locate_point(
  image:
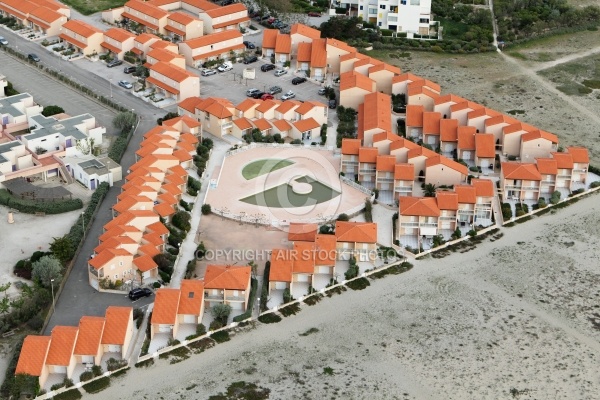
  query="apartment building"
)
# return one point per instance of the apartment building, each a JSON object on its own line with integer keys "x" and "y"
{"x": 230, "y": 17}
{"x": 211, "y": 47}
{"x": 182, "y": 26}
{"x": 226, "y": 284}
{"x": 43, "y": 16}
{"x": 118, "y": 41}
{"x": 85, "y": 38}
{"x": 177, "y": 312}
{"x": 149, "y": 17}
{"x": 520, "y": 181}
{"x": 358, "y": 239}
{"x": 172, "y": 81}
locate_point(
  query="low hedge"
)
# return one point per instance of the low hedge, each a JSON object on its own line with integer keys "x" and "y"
{"x": 248, "y": 313}
{"x": 35, "y": 206}
{"x": 118, "y": 148}
{"x": 98, "y": 385}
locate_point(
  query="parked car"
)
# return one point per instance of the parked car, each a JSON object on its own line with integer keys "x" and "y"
{"x": 129, "y": 70}
{"x": 125, "y": 84}
{"x": 314, "y": 14}
{"x": 298, "y": 80}
{"x": 288, "y": 95}
{"x": 283, "y": 27}
{"x": 250, "y": 59}
{"x": 332, "y": 104}
{"x": 271, "y": 20}
{"x": 208, "y": 72}
{"x": 114, "y": 63}
{"x": 267, "y": 67}
{"x": 227, "y": 66}
{"x": 275, "y": 90}
{"x": 138, "y": 293}
{"x": 3, "y": 41}
{"x": 257, "y": 95}
{"x": 249, "y": 45}
{"x": 322, "y": 92}
{"x": 267, "y": 96}
{"x": 250, "y": 92}
{"x": 280, "y": 72}
{"x": 33, "y": 57}
{"x": 265, "y": 17}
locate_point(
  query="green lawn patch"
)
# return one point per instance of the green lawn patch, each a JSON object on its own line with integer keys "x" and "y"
{"x": 88, "y": 7}
{"x": 262, "y": 167}
{"x": 592, "y": 83}
{"x": 283, "y": 196}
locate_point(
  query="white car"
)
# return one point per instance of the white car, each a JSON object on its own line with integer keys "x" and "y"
{"x": 3, "y": 41}
{"x": 208, "y": 72}
{"x": 125, "y": 84}
{"x": 225, "y": 67}
{"x": 280, "y": 72}
{"x": 288, "y": 95}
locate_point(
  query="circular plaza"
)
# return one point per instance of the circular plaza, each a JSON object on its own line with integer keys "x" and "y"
{"x": 276, "y": 185}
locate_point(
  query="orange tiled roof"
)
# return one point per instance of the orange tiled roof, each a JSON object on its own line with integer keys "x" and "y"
{"x": 213, "y": 38}
{"x": 110, "y": 47}
{"x": 282, "y": 125}
{"x": 166, "y": 302}
{"x": 467, "y": 194}
{"x": 146, "y": 9}
{"x": 563, "y": 160}
{"x": 242, "y": 123}
{"x": 431, "y": 122}
{"x": 384, "y": 67}
{"x": 547, "y": 166}
{"x": 351, "y": 79}
{"x": 403, "y": 144}
{"x": 448, "y": 98}
{"x": 182, "y": 18}
{"x": 45, "y": 16}
{"x": 283, "y": 44}
{"x": 281, "y": 266}
{"x": 303, "y": 232}
{"x": 500, "y": 119}
{"x": 340, "y": 45}
{"x": 392, "y": 137}
{"x": 304, "y": 52}
{"x": 106, "y": 255}
{"x": 32, "y": 358}
{"x": 162, "y": 55}
{"x": 247, "y": 104}
{"x": 414, "y": 90}
{"x": 231, "y": 22}
{"x": 61, "y": 345}
{"x": 465, "y": 105}
{"x": 304, "y": 258}
{"x": 145, "y": 37}
{"x": 368, "y": 155}
{"x": 325, "y": 249}
{"x": 90, "y": 333}
{"x": 481, "y": 112}
{"x": 376, "y": 112}
{"x": 358, "y": 232}
{"x": 318, "y": 53}
{"x": 483, "y": 187}
{"x": 267, "y": 105}
{"x": 287, "y": 105}
{"x": 192, "y": 296}
{"x": 518, "y": 127}
{"x": 217, "y": 107}
{"x": 164, "y": 209}
{"x": 226, "y": 10}
{"x": 227, "y": 277}
{"x": 262, "y": 124}
{"x": 449, "y": 130}
{"x": 485, "y": 144}
{"x": 118, "y": 34}
{"x": 419, "y": 206}
{"x": 149, "y": 250}
{"x": 404, "y": 172}
{"x": 466, "y": 137}
{"x": 306, "y": 124}
{"x": 304, "y": 30}
{"x": 385, "y": 163}
{"x": 414, "y": 115}
{"x": 269, "y": 38}
{"x": 438, "y": 159}
{"x": 350, "y": 146}
{"x": 117, "y": 322}
{"x": 190, "y": 104}
{"x": 171, "y": 71}
{"x": 514, "y": 170}
{"x": 81, "y": 28}
{"x": 579, "y": 154}
{"x": 407, "y": 76}
{"x": 539, "y": 134}
{"x": 447, "y": 200}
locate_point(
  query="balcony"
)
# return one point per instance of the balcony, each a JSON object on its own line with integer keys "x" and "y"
{"x": 235, "y": 298}
{"x": 213, "y": 296}
{"x": 367, "y": 171}
{"x": 392, "y": 17}
{"x": 466, "y": 212}
{"x": 349, "y": 162}
{"x": 410, "y": 224}
{"x": 385, "y": 180}
{"x": 448, "y": 218}
{"x": 564, "y": 176}
{"x": 227, "y": 125}
{"x": 530, "y": 188}
{"x": 403, "y": 189}
{"x": 428, "y": 225}
{"x": 511, "y": 187}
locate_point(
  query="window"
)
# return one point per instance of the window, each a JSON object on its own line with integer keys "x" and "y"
{"x": 120, "y": 263}
{"x": 361, "y": 7}
{"x": 382, "y": 6}
{"x": 191, "y": 295}
{"x": 379, "y": 24}
{"x": 403, "y": 2}
{"x": 415, "y": 2}
{"x": 116, "y": 276}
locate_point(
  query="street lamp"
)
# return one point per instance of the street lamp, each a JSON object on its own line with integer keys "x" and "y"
{"x": 83, "y": 224}
{"x": 52, "y": 288}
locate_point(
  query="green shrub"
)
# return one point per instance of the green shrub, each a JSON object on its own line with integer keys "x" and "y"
{"x": 220, "y": 337}
{"x": 73, "y": 394}
{"x": 181, "y": 220}
{"x": 35, "y": 206}
{"x": 98, "y": 385}
{"x": 269, "y": 318}
{"x": 206, "y": 209}
{"x": 555, "y": 198}
{"x": 117, "y": 149}
{"x": 86, "y": 376}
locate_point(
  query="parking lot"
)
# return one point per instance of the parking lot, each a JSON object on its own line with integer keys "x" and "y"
{"x": 231, "y": 86}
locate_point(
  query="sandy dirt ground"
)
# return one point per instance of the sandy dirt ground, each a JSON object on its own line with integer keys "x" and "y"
{"x": 520, "y": 313}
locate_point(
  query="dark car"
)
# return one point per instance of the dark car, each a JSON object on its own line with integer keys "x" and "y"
{"x": 258, "y": 95}
{"x": 332, "y": 104}
{"x": 114, "y": 63}
{"x": 274, "y": 90}
{"x": 33, "y": 57}
{"x": 251, "y": 59}
{"x": 129, "y": 70}
{"x": 314, "y": 14}
{"x": 267, "y": 67}
{"x": 135, "y": 294}
{"x": 249, "y": 45}
{"x": 265, "y": 17}
{"x": 297, "y": 81}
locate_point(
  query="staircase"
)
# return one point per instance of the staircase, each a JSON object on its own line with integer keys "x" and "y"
{"x": 64, "y": 172}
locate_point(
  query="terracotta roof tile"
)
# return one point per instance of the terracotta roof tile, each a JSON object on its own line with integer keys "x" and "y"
{"x": 438, "y": 159}
{"x": 231, "y": 22}
{"x": 283, "y": 44}
{"x": 287, "y": 105}
{"x": 182, "y": 18}
{"x": 118, "y": 34}
{"x": 318, "y": 54}
{"x": 465, "y": 105}
{"x": 171, "y": 71}
{"x": 247, "y": 104}
{"x": 243, "y": 123}
{"x": 269, "y": 38}
{"x": 227, "y": 277}
{"x": 304, "y": 30}
{"x": 61, "y": 345}
{"x": 226, "y": 10}
{"x": 262, "y": 124}
{"x": 281, "y": 266}
{"x": 166, "y": 302}
{"x": 500, "y": 119}
{"x": 267, "y": 105}
{"x": 563, "y": 160}
{"x": 302, "y": 232}
{"x": 385, "y": 163}
{"x": 350, "y": 146}
{"x": 217, "y": 107}
{"x": 117, "y": 322}
{"x": 32, "y": 358}
{"x": 368, "y": 155}
{"x": 514, "y": 170}
{"x": 449, "y": 130}
{"x": 385, "y": 67}
{"x": 304, "y": 52}
{"x": 192, "y": 296}
{"x": 306, "y": 124}
{"x": 403, "y": 144}
{"x": 81, "y": 28}
{"x": 340, "y": 45}
{"x": 431, "y": 122}
{"x": 447, "y": 200}
{"x": 404, "y": 172}
{"x": 146, "y": 9}
{"x": 483, "y": 187}
{"x": 304, "y": 258}
{"x": 145, "y": 37}
{"x": 580, "y": 154}
{"x": 144, "y": 263}
{"x": 485, "y": 144}
{"x": 90, "y": 333}
{"x": 351, "y": 79}
{"x": 213, "y": 38}
{"x": 282, "y": 125}
{"x": 358, "y": 232}
{"x": 481, "y": 112}
{"x": 538, "y": 134}
{"x": 547, "y": 166}
{"x": 325, "y": 249}
{"x": 414, "y": 90}
{"x": 448, "y": 98}
{"x": 418, "y": 206}
{"x": 466, "y": 137}
{"x": 377, "y": 112}
{"x": 467, "y": 194}
{"x": 392, "y": 137}
{"x": 100, "y": 260}
{"x": 190, "y": 104}
{"x": 414, "y": 115}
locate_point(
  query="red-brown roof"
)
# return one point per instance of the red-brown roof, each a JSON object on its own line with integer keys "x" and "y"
{"x": 350, "y": 146}
{"x": 447, "y": 200}
{"x": 166, "y": 302}
{"x": 227, "y": 277}
{"x": 192, "y": 296}
{"x": 61, "y": 345}
{"x": 514, "y": 170}
{"x": 302, "y": 232}
{"x": 418, "y": 206}
{"x": 579, "y": 154}
{"x": 269, "y": 38}
{"x": 485, "y": 144}
{"x": 117, "y": 322}
{"x": 404, "y": 172}
{"x": 90, "y": 333}
{"x": 32, "y": 358}
{"x": 357, "y": 232}
{"x": 448, "y": 98}
{"x": 147, "y": 9}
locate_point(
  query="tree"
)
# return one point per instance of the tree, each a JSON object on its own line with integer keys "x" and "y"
{"x": 52, "y": 110}
{"x": 429, "y": 190}
{"x": 124, "y": 121}
{"x": 181, "y": 220}
{"x": 62, "y": 248}
{"x": 206, "y": 209}
{"x": 221, "y": 312}
{"x": 4, "y": 305}
{"x": 167, "y": 117}
{"x": 46, "y": 269}
{"x": 343, "y": 217}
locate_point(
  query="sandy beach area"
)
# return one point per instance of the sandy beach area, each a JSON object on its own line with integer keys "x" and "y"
{"x": 514, "y": 318}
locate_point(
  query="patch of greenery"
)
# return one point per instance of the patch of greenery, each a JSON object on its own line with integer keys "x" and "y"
{"x": 394, "y": 270}
{"x": 314, "y": 299}
{"x": 87, "y": 7}
{"x": 243, "y": 391}
{"x": 592, "y": 83}
{"x": 98, "y": 385}
{"x": 200, "y": 345}
{"x": 358, "y": 284}
{"x": 73, "y": 394}
{"x": 56, "y": 206}
{"x": 145, "y": 363}
{"x": 328, "y": 371}
{"x": 574, "y": 89}
{"x": 270, "y": 318}
{"x": 309, "y": 332}
{"x": 336, "y": 290}
{"x": 291, "y": 309}
{"x": 221, "y": 336}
